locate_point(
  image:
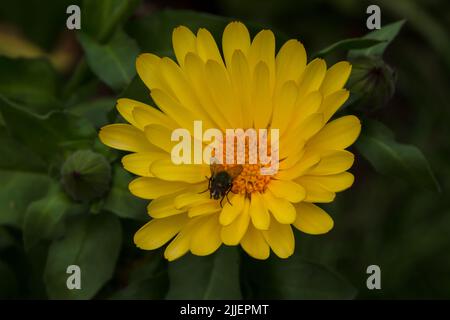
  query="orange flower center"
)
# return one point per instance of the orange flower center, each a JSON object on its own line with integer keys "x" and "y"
{"x": 250, "y": 179}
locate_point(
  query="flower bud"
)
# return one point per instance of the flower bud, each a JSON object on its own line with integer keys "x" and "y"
{"x": 85, "y": 175}
{"x": 372, "y": 81}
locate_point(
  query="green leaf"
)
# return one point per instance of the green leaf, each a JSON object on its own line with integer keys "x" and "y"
{"x": 149, "y": 280}
{"x": 348, "y": 44}
{"x": 32, "y": 82}
{"x": 137, "y": 90}
{"x": 36, "y": 257}
{"x": 211, "y": 277}
{"x": 391, "y": 158}
{"x": 18, "y": 190}
{"x": 81, "y": 85}
{"x": 43, "y": 218}
{"x": 16, "y": 157}
{"x": 114, "y": 62}
{"x": 426, "y": 22}
{"x": 48, "y": 136}
{"x": 109, "y": 153}
{"x": 386, "y": 34}
{"x": 95, "y": 111}
{"x": 293, "y": 278}
{"x": 92, "y": 243}
{"x": 121, "y": 202}
{"x": 100, "y": 18}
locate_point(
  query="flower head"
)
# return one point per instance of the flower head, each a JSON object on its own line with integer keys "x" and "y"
{"x": 247, "y": 85}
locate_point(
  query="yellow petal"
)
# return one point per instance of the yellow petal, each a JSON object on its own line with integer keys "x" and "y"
{"x": 263, "y": 49}
{"x": 158, "y": 232}
{"x": 258, "y": 212}
{"x": 231, "y": 211}
{"x": 163, "y": 207}
{"x": 333, "y": 102}
{"x": 232, "y": 234}
{"x": 148, "y": 69}
{"x": 241, "y": 81}
{"x": 291, "y": 160}
{"x": 178, "y": 82}
{"x": 195, "y": 70}
{"x": 204, "y": 208}
{"x": 290, "y": 62}
{"x": 315, "y": 192}
{"x": 284, "y": 104}
{"x": 280, "y": 238}
{"x": 306, "y": 106}
{"x": 302, "y": 166}
{"x": 167, "y": 170}
{"x": 206, "y": 236}
{"x": 293, "y": 140}
{"x": 160, "y": 136}
{"x": 181, "y": 115}
{"x": 311, "y": 219}
{"x": 184, "y": 93}
{"x": 281, "y": 209}
{"x": 180, "y": 245}
{"x": 336, "y": 135}
{"x": 183, "y": 41}
{"x": 125, "y": 137}
{"x": 235, "y": 37}
{"x": 139, "y": 163}
{"x": 207, "y": 47}
{"x": 152, "y": 188}
{"x": 310, "y": 126}
{"x": 254, "y": 244}
{"x": 336, "y": 77}
{"x": 222, "y": 92}
{"x": 287, "y": 189}
{"x": 312, "y": 77}
{"x": 188, "y": 199}
{"x": 332, "y": 162}
{"x": 126, "y": 107}
{"x": 261, "y": 96}
{"x": 334, "y": 183}
{"x": 145, "y": 115}
{"x": 147, "y": 66}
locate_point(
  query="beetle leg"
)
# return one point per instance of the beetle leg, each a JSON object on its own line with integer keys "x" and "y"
{"x": 226, "y": 194}
{"x": 209, "y": 186}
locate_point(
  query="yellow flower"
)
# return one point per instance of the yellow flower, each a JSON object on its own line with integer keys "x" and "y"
{"x": 250, "y": 87}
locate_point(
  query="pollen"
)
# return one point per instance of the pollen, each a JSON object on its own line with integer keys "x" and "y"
{"x": 250, "y": 179}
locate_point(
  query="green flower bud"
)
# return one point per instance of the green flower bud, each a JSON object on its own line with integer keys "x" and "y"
{"x": 372, "y": 81}
{"x": 85, "y": 175}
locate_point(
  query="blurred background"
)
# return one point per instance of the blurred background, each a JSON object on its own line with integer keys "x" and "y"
{"x": 381, "y": 220}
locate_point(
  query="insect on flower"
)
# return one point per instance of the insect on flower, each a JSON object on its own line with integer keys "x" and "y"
{"x": 221, "y": 181}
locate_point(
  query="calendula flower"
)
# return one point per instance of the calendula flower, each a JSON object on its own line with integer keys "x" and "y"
{"x": 247, "y": 85}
